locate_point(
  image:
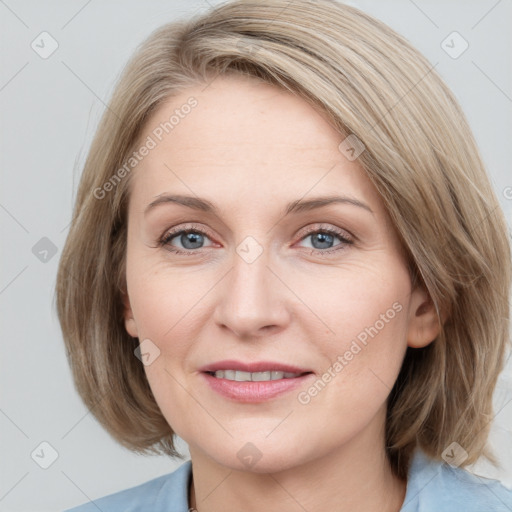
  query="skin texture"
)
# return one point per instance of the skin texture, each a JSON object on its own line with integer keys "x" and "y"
{"x": 250, "y": 149}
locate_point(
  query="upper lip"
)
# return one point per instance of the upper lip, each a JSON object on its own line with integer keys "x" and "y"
{"x": 256, "y": 366}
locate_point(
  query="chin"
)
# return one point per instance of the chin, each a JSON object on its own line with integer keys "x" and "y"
{"x": 258, "y": 457}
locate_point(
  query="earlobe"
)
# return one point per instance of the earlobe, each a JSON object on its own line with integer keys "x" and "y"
{"x": 129, "y": 320}
{"x": 424, "y": 325}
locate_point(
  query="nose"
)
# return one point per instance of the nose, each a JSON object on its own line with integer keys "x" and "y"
{"x": 252, "y": 299}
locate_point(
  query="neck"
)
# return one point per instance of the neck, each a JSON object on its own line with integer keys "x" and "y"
{"x": 356, "y": 476}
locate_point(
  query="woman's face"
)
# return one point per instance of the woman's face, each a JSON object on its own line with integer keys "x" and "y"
{"x": 268, "y": 273}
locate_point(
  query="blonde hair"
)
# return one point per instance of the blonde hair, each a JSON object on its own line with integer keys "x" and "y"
{"x": 419, "y": 153}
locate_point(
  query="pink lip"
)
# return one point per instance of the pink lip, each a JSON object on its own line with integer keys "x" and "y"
{"x": 253, "y": 391}
{"x": 258, "y": 366}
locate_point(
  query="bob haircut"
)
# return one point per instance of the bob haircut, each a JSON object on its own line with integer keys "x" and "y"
{"x": 420, "y": 155}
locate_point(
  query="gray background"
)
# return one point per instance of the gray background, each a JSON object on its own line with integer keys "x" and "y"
{"x": 49, "y": 109}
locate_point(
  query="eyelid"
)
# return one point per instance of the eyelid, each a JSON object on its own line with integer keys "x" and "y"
{"x": 170, "y": 233}
{"x": 322, "y": 226}
{"x": 346, "y": 238}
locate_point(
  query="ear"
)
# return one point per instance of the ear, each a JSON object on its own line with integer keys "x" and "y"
{"x": 423, "y": 325}
{"x": 129, "y": 320}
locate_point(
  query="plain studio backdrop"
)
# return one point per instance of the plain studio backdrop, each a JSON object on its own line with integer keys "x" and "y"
{"x": 52, "y": 95}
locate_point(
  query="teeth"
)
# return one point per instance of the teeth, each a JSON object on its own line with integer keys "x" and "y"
{"x": 258, "y": 376}
{"x": 240, "y": 376}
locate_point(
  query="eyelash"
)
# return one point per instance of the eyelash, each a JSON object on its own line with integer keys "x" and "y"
{"x": 164, "y": 241}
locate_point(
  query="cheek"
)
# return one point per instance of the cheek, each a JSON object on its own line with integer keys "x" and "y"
{"x": 163, "y": 307}
{"x": 361, "y": 360}
{"x": 164, "y": 303}
{"x": 365, "y": 323}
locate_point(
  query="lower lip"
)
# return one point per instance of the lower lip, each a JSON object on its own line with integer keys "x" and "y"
{"x": 250, "y": 391}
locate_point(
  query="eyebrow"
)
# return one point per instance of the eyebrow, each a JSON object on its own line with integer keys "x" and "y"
{"x": 298, "y": 206}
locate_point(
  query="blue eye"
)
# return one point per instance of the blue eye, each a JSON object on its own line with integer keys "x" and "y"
{"x": 190, "y": 239}
{"x": 325, "y": 237}
{"x": 193, "y": 239}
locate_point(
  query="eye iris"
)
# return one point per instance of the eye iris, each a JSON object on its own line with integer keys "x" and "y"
{"x": 194, "y": 238}
{"x": 323, "y": 238}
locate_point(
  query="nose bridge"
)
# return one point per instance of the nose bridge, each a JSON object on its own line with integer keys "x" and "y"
{"x": 251, "y": 298}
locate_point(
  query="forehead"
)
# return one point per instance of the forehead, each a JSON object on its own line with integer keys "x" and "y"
{"x": 240, "y": 111}
{"x": 244, "y": 135}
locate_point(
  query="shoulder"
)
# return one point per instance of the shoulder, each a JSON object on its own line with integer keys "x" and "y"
{"x": 167, "y": 493}
{"x": 435, "y": 485}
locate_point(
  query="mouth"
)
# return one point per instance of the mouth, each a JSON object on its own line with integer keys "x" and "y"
{"x": 253, "y": 382}
{"x": 241, "y": 376}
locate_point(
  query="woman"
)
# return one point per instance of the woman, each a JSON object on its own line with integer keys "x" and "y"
{"x": 285, "y": 249}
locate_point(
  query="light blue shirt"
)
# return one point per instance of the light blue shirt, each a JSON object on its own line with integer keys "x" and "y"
{"x": 432, "y": 486}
